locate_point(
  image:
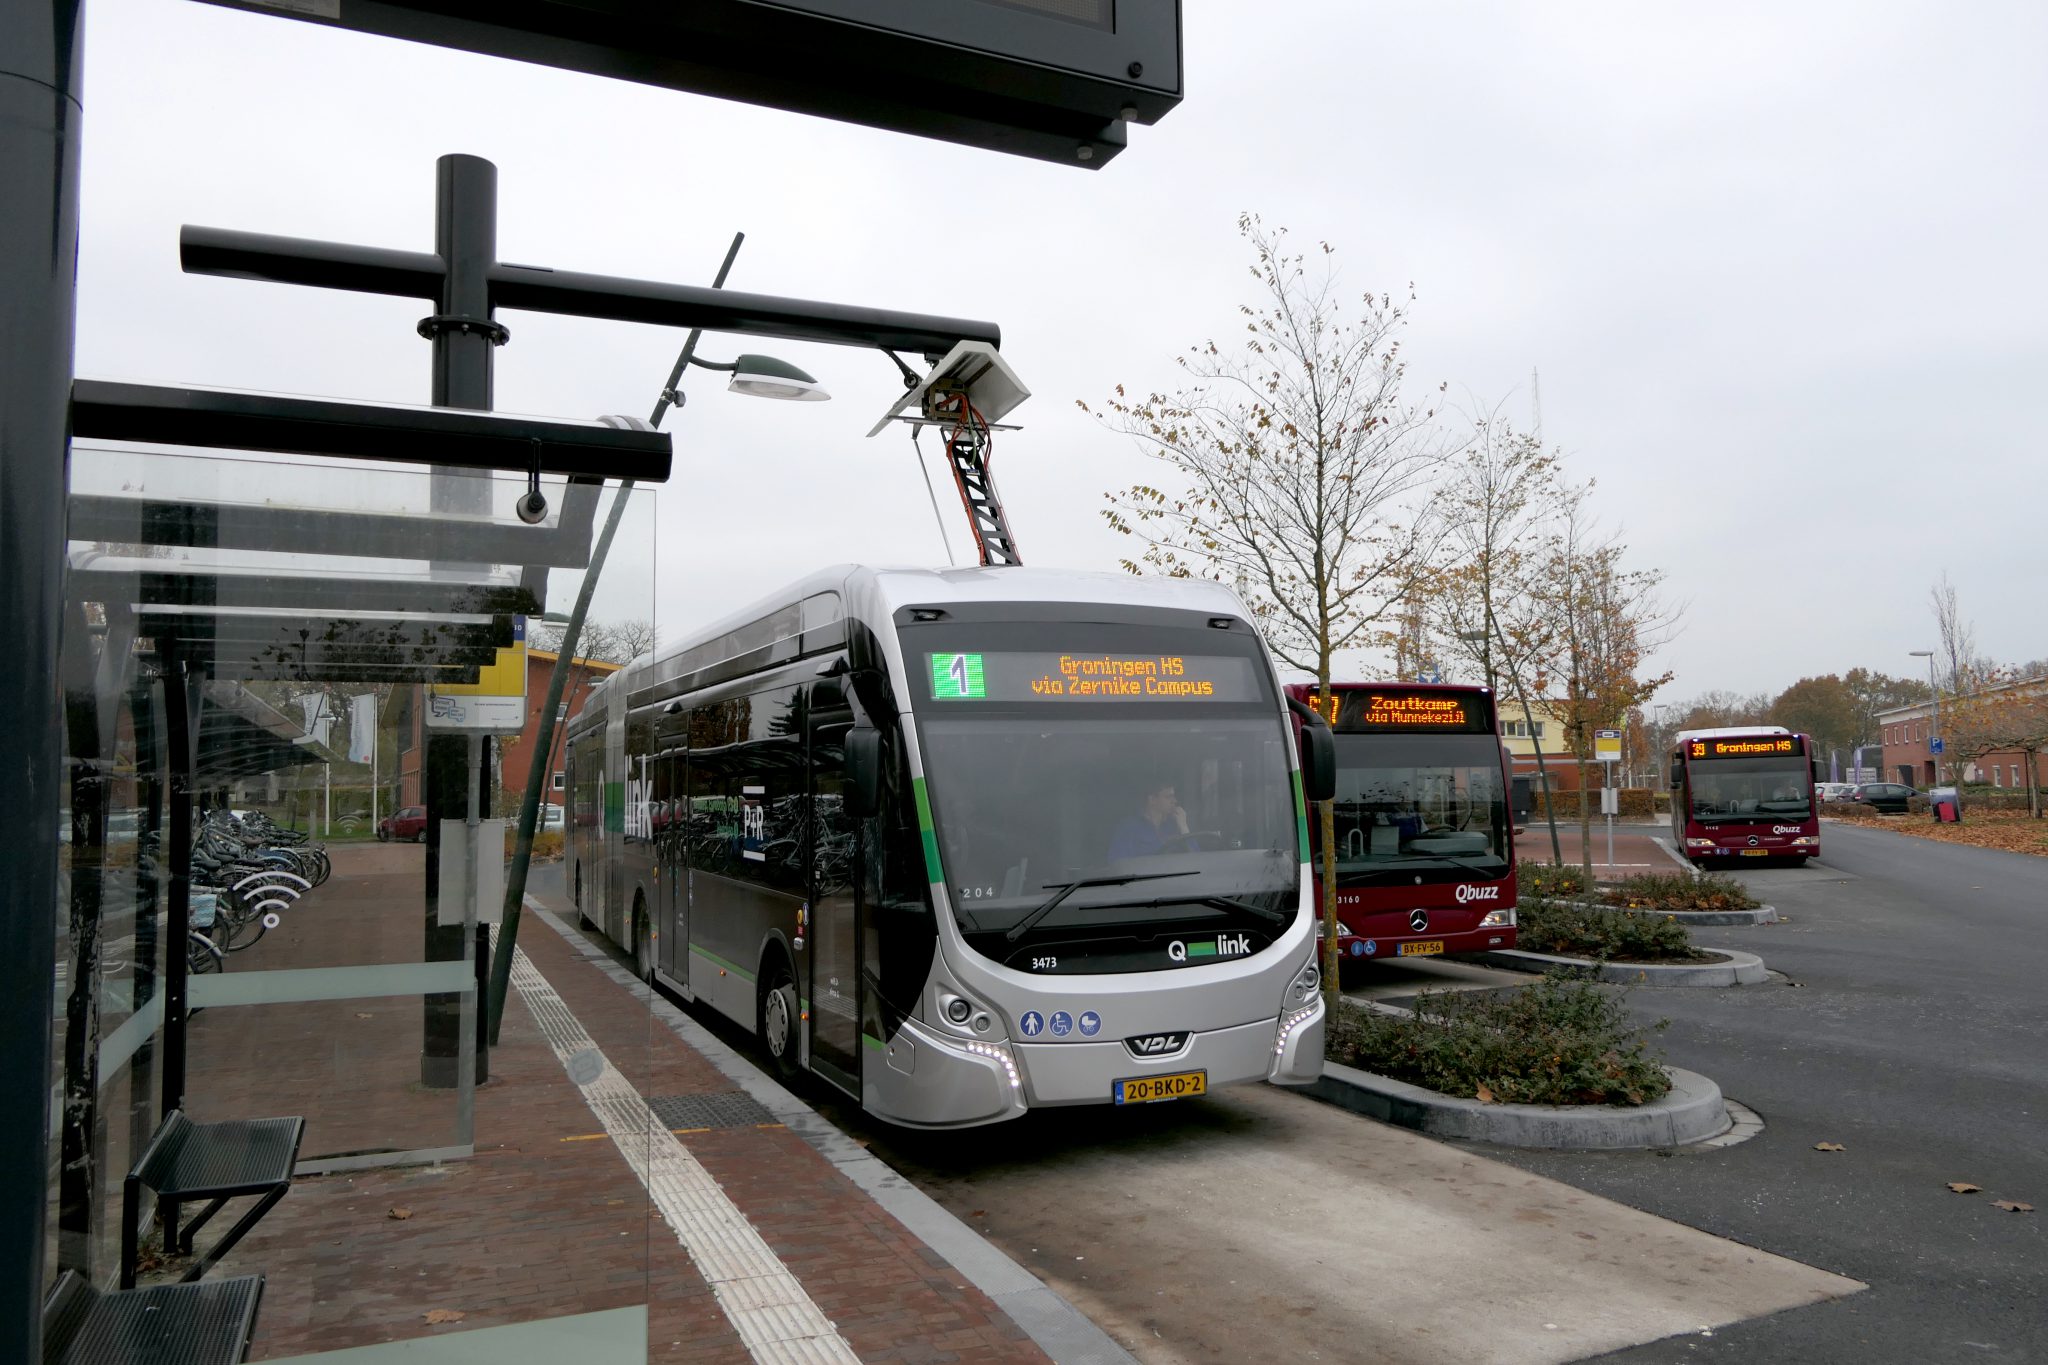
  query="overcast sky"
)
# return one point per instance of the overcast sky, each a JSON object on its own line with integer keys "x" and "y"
{"x": 1780, "y": 267}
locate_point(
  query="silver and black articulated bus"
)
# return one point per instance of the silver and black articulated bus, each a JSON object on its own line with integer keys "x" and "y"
{"x": 966, "y": 842}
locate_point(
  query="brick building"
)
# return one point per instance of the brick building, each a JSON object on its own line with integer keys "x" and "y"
{"x": 515, "y": 752}
{"x": 1906, "y": 731}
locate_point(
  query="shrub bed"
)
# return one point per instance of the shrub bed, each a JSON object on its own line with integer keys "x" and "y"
{"x": 1603, "y": 935}
{"x": 1555, "y": 1042}
{"x": 1680, "y": 891}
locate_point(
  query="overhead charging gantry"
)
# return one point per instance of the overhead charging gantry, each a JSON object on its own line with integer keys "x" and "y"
{"x": 965, "y": 396}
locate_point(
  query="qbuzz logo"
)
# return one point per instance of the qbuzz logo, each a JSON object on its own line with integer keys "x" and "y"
{"x": 1223, "y": 945}
{"x": 1785, "y": 829}
{"x": 1477, "y": 893}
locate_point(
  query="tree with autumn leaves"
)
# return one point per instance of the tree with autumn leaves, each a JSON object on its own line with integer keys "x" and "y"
{"x": 2004, "y": 713}
{"x": 1297, "y": 472}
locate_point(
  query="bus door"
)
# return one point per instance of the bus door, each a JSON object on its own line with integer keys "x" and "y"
{"x": 832, "y": 911}
{"x": 671, "y": 906}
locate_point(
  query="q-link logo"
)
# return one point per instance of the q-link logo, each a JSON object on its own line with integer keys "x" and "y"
{"x": 1224, "y": 945}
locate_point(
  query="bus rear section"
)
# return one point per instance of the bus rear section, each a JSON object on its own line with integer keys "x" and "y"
{"x": 1742, "y": 794}
{"x": 1424, "y": 838}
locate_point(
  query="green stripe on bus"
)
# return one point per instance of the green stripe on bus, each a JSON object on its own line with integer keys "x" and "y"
{"x": 931, "y": 840}
{"x": 1300, "y": 816}
{"x": 715, "y": 960}
{"x": 873, "y": 1044}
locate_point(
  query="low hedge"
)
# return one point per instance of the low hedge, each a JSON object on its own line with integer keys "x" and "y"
{"x": 1637, "y": 803}
{"x": 1680, "y": 891}
{"x": 1603, "y": 935}
{"x": 1555, "y": 1042}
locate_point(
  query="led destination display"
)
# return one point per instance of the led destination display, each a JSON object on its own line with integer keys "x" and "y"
{"x": 1752, "y": 747}
{"x": 1379, "y": 708}
{"x": 1097, "y": 678}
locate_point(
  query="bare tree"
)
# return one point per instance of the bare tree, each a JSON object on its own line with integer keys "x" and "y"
{"x": 1958, "y": 648}
{"x": 1504, "y": 487}
{"x": 1606, "y": 621}
{"x": 1296, "y": 463}
{"x": 612, "y": 642}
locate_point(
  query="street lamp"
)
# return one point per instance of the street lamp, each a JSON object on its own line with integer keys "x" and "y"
{"x": 1934, "y": 724}
{"x": 763, "y": 376}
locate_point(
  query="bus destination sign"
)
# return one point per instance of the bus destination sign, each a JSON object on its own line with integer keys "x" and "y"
{"x": 1093, "y": 677}
{"x": 1754, "y": 746}
{"x": 1395, "y": 709}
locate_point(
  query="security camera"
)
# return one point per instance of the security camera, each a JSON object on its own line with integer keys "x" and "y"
{"x": 533, "y": 507}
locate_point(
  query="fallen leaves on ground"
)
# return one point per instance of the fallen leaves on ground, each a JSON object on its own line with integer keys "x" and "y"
{"x": 441, "y": 1315}
{"x": 399, "y": 1214}
{"x": 1829, "y": 1147}
{"x": 2012, "y": 1206}
{"x": 2010, "y": 831}
{"x": 1964, "y": 1187}
{"x": 1485, "y": 1095}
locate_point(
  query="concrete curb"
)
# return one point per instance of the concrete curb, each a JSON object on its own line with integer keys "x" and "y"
{"x": 1763, "y": 914}
{"x": 1693, "y": 1111}
{"x": 1061, "y": 1330}
{"x": 1741, "y": 969}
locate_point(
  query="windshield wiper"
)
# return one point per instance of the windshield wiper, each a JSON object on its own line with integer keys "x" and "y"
{"x": 1066, "y": 889}
{"x": 1275, "y": 917}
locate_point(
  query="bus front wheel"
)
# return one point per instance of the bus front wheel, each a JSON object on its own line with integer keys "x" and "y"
{"x": 643, "y": 942}
{"x": 780, "y": 1019}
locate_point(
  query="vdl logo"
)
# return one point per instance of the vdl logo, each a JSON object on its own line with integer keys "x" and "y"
{"x": 1225, "y": 945}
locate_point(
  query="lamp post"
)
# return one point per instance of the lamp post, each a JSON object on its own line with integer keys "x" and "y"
{"x": 1934, "y": 724}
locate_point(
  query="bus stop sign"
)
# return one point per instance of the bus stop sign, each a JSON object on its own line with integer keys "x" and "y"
{"x": 1607, "y": 746}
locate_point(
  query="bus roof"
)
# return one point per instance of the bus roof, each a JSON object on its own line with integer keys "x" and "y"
{"x": 883, "y": 589}
{"x": 1729, "y": 732}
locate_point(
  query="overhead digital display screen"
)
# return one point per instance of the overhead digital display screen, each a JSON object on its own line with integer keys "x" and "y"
{"x": 1093, "y": 678}
{"x": 1360, "y": 710}
{"x": 1758, "y": 746}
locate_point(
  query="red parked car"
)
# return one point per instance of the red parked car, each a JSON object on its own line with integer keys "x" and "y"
{"x": 407, "y": 824}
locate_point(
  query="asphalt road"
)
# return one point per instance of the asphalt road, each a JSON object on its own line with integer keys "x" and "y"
{"x": 1913, "y": 1030}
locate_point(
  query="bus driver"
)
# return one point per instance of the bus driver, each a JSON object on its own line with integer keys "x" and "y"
{"x": 1160, "y": 828}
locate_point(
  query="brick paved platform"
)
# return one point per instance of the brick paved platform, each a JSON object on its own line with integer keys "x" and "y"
{"x": 1635, "y": 848}
{"x": 548, "y": 1218}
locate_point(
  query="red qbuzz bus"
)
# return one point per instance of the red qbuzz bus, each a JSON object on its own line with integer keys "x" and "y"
{"x": 1425, "y": 840}
{"x": 1745, "y": 792}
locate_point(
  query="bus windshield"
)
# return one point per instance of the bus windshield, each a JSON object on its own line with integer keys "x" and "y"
{"x": 1773, "y": 787}
{"x": 1129, "y": 821}
{"x": 1430, "y": 806}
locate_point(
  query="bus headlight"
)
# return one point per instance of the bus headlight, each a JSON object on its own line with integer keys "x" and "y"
{"x": 1498, "y": 919}
{"x": 1805, "y": 840}
{"x": 1699, "y": 843}
{"x": 1306, "y": 983}
{"x": 1291, "y": 1022}
{"x": 999, "y": 1052}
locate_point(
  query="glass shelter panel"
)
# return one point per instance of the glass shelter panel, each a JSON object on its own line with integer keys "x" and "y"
{"x": 302, "y": 701}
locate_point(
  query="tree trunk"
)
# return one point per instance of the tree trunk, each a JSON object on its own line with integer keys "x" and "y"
{"x": 2033, "y": 786}
{"x": 1542, "y": 772}
{"x": 1585, "y": 810}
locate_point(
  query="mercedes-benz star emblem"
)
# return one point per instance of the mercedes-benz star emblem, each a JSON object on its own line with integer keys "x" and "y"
{"x": 1418, "y": 920}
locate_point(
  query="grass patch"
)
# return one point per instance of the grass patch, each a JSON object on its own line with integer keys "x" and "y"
{"x": 1555, "y": 1042}
{"x": 1603, "y": 935}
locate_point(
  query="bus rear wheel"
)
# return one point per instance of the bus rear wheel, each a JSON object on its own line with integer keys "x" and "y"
{"x": 780, "y": 1019}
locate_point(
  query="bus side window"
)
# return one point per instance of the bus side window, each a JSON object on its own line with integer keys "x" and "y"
{"x": 769, "y": 783}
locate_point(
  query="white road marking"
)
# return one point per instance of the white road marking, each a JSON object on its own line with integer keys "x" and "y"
{"x": 774, "y": 1317}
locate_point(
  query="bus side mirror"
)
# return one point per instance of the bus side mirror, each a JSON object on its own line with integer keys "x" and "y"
{"x": 863, "y": 772}
{"x": 1818, "y": 775}
{"x": 1674, "y": 776}
{"x": 1318, "y": 763}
